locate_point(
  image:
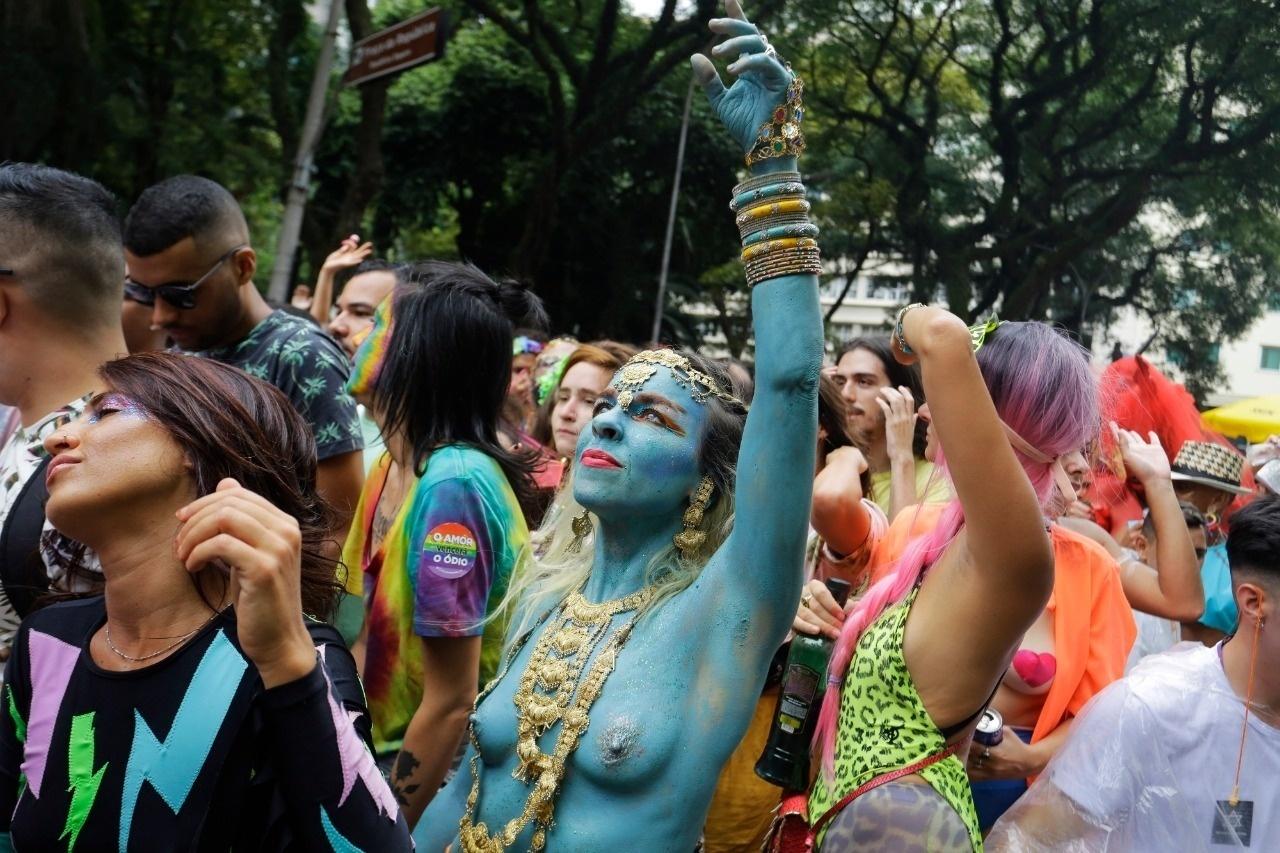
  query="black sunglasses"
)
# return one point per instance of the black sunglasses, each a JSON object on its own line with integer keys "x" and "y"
{"x": 4, "y": 271}
{"x": 179, "y": 295}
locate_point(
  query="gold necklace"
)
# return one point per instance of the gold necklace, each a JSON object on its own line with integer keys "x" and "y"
{"x": 177, "y": 642}
{"x": 544, "y": 697}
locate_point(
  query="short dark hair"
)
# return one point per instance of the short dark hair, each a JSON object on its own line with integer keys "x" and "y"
{"x": 448, "y": 363}
{"x": 367, "y": 265}
{"x": 899, "y": 374}
{"x": 60, "y": 232}
{"x": 180, "y": 207}
{"x": 1193, "y": 517}
{"x": 1253, "y": 543}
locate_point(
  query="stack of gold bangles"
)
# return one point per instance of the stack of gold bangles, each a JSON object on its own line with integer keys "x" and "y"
{"x": 773, "y": 219}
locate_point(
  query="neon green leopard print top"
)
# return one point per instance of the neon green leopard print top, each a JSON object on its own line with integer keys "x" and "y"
{"x": 883, "y": 725}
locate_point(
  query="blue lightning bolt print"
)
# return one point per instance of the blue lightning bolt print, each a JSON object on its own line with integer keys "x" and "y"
{"x": 172, "y": 766}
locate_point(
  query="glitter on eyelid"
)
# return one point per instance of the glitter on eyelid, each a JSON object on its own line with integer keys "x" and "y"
{"x": 120, "y": 404}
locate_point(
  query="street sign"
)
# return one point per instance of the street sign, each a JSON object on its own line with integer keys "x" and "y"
{"x": 411, "y": 42}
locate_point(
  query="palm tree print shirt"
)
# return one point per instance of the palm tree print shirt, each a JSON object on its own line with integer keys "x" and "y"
{"x": 310, "y": 368}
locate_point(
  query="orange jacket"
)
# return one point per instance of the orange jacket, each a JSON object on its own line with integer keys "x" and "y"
{"x": 1093, "y": 627}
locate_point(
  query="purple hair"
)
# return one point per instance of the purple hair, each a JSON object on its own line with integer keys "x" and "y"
{"x": 1043, "y": 388}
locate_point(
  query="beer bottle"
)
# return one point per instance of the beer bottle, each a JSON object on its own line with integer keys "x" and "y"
{"x": 785, "y": 760}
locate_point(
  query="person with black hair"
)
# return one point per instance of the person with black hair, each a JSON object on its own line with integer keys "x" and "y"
{"x": 370, "y": 282}
{"x": 439, "y": 526}
{"x": 189, "y": 258}
{"x": 60, "y": 273}
{"x": 1158, "y": 633}
{"x": 884, "y": 397}
{"x": 1183, "y": 753}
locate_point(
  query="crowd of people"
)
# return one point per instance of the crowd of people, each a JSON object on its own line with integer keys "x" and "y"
{"x": 393, "y": 565}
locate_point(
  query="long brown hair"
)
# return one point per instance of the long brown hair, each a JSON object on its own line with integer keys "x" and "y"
{"x": 833, "y": 423}
{"x": 230, "y": 424}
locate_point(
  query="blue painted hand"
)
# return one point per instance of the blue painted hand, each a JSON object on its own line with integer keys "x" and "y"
{"x": 762, "y": 79}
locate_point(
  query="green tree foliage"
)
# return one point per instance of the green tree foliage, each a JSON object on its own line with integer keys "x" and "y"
{"x": 547, "y": 152}
{"x": 1055, "y": 159}
{"x": 132, "y": 91}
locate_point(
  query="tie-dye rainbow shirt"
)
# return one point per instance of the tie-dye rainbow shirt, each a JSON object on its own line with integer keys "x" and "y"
{"x": 443, "y": 566}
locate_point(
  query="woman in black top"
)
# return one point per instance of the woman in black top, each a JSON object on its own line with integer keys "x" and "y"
{"x": 192, "y": 706}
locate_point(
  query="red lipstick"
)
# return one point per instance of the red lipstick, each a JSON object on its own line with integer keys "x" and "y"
{"x": 599, "y": 459}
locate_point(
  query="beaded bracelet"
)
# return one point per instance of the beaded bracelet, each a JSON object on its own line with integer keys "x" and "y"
{"x": 783, "y": 260}
{"x": 749, "y": 197}
{"x": 788, "y": 206}
{"x": 897, "y": 328}
{"x": 789, "y": 266}
{"x": 765, "y": 180}
{"x": 770, "y": 247}
{"x": 783, "y": 257}
{"x": 808, "y": 266}
{"x": 799, "y": 229}
{"x": 753, "y": 223}
{"x": 804, "y": 265}
{"x": 754, "y": 227}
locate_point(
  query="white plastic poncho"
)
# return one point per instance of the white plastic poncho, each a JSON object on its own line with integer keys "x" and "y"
{"x": 1149, "y": 766}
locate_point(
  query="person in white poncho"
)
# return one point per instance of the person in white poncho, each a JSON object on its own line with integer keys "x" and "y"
{"x": 1184, "y": 753}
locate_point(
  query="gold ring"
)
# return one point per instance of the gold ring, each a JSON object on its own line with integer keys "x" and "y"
{"x": 806, "y": 598}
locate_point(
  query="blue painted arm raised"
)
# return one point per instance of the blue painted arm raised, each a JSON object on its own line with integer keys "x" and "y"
{"x": 761, "y": 562}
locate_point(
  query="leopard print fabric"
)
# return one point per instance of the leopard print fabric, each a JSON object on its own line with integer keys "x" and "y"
{"x": 882, "y": 727}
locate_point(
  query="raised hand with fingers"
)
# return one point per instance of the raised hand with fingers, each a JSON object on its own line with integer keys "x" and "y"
{"x": 351, "y": 253}
{"x": 1145, "y": 461}
{"x": 900, "y": 419}
{"x": 762, "y": 81}
{"x": 261, "y": 547}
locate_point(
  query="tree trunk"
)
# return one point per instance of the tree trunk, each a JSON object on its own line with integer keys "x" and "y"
{"x": 366, "y": 181}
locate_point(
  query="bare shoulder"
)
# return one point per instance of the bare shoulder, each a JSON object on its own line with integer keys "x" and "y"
{"x": 1090, "y": 530}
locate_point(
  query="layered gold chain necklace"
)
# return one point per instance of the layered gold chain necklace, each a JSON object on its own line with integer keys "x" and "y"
{"x": 544, "y": 697}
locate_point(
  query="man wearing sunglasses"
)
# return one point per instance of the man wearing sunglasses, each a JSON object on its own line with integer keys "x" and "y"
{"x": 190, "y": 262}
{"x": 60, "y": 272}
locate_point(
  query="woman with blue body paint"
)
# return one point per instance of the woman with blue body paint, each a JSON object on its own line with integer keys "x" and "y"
{"x": 641, "y": 636}
{"x": 192, "y": 705}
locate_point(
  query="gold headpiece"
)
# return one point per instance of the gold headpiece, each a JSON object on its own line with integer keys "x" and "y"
{"x": 640, "y": 369}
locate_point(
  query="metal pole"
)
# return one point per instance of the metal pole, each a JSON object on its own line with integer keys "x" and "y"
{"x": 296, "y": 200}
{"x": 671, "y": 217}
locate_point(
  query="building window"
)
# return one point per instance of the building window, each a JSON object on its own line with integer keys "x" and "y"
{"x": 1271, "y": 358}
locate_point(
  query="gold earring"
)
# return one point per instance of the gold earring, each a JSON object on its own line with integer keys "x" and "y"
{"x": 582, "y": 528}
{"x": 689, "y": 540}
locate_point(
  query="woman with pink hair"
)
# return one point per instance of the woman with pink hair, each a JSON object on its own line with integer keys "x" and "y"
{"x": 904, "y": 693}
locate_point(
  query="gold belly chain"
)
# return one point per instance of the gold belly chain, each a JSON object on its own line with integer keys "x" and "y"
{"x": 544, "y": 697}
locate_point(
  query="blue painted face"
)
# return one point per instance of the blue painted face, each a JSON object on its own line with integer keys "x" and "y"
{"x": 641, "y": 461}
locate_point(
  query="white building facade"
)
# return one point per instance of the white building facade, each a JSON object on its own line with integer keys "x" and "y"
{"x": 1251, "y": 365}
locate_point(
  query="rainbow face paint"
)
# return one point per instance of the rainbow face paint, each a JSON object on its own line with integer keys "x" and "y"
{"x": 371, "y": 352}
{"x": 115, "y": 403}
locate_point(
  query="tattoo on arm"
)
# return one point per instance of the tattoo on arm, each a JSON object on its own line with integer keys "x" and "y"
{"x": 401, "y": 772}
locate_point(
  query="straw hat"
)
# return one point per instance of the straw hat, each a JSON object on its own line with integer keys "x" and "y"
{"x": 1210, "y": 465}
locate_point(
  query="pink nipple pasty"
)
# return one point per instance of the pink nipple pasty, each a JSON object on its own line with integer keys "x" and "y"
{"x": 1034, "y": 668}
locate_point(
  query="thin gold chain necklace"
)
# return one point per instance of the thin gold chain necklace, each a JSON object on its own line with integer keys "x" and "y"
{"x": 168, "y": 648}
{"x": 546, "y": 695}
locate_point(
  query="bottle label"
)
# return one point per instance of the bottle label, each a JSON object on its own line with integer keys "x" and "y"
{"x": 799, "y": 687}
